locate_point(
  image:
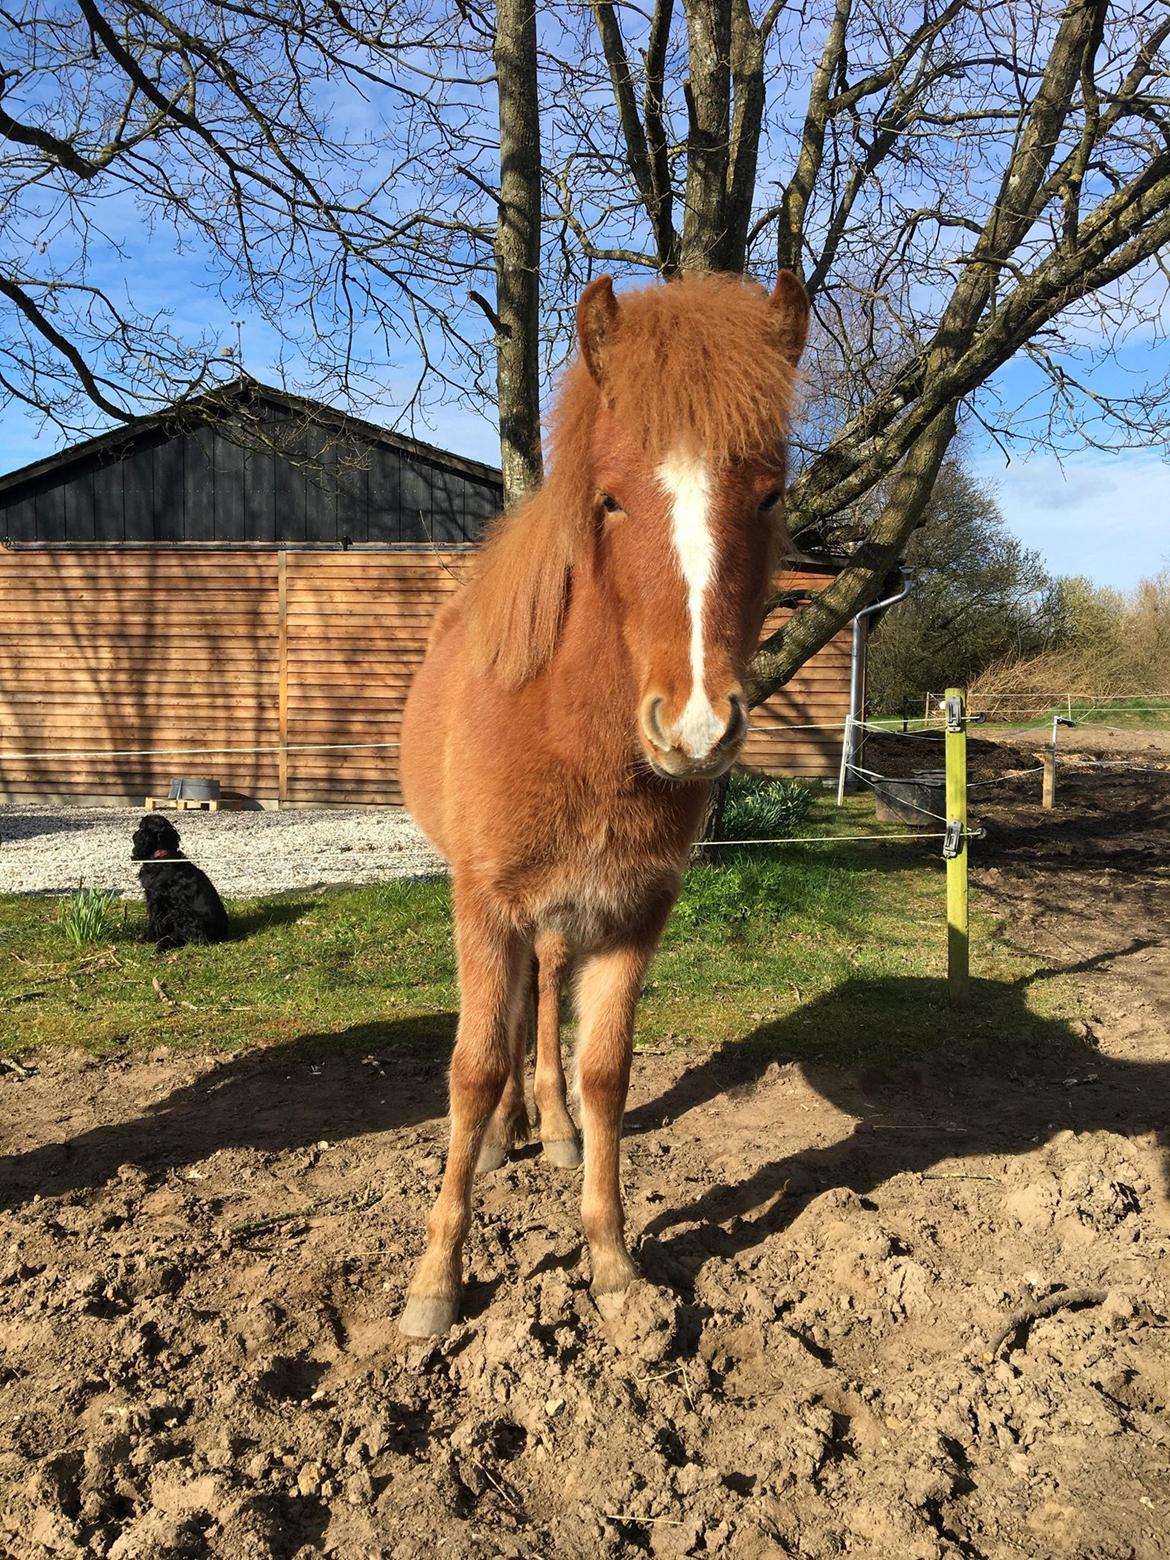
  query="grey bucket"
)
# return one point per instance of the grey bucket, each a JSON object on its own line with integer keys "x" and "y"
{"x": 919, "y": 800}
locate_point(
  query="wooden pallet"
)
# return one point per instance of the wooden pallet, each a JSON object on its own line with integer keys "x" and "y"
{"x": 182, "y": 803}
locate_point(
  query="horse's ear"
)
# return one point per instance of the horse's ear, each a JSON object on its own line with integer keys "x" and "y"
{"x": 596, "y": 318}
{"x": 789, "y": 303}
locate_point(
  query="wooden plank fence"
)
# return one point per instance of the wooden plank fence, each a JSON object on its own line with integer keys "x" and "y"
{"x": 108, "y": 650}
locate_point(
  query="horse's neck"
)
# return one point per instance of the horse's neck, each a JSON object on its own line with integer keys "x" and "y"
{"x": 591, "y": 680}
{"x": 593, "y": 695}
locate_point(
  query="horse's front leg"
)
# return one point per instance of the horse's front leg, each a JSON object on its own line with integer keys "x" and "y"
{"x": 493, "y": 976}
{"x": 610, "y": 984}
{"x": 508, "y": 1127}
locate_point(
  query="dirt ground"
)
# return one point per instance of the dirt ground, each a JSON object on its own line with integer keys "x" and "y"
{"x": 818, "y": 1369}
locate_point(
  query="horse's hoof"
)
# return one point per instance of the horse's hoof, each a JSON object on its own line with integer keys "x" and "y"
{"x": 565, "y": 1153}
{"x": 428, "y": 1316}
{"x": 491, "y": 1157}
{"x": 610, "y": 1303}
{"x": 640, "y": 1320}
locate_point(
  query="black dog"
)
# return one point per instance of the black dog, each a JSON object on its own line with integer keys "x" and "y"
{"x": 182, "y": 905}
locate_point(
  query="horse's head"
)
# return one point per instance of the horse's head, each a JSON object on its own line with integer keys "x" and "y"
{"x": 694, "y": 386}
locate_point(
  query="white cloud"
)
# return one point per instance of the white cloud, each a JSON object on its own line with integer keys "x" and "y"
{"x": 1102, "y": 514}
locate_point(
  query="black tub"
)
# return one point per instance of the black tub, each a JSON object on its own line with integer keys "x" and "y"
{"x": 919, "y": 800}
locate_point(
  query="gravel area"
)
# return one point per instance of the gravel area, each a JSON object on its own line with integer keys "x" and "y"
{"x": 50, "y": 849}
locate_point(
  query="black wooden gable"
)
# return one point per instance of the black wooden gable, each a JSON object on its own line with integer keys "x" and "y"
{"x": 254, "y": 465}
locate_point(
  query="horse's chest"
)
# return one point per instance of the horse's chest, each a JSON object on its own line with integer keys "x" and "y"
{"x": 596, "y": 874}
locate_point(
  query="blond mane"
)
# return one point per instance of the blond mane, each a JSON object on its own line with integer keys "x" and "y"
{"x": 698, "y": 361}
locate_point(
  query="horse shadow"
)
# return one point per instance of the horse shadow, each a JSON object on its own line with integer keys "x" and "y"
{"x": 995, "y": 1079}
{"x": 373, "y": 1077}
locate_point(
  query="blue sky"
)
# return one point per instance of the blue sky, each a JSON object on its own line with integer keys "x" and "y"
{"x": 1102, "y": 514}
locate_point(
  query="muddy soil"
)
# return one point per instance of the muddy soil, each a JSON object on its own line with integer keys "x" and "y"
{"x": 817, "y": 1367}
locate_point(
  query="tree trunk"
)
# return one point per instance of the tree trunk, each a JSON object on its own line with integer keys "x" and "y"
{"x": 812, "y": 626}
{"x": 517, "y": 249}
{"x": 713, "y": 820}
{"x": 708, "y": 99}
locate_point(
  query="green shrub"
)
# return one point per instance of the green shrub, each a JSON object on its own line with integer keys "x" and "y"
{"x": 85, "y": 913}
{"x": 764, "y": 809}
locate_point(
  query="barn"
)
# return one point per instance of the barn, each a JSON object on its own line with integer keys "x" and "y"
{"x": 242, "y": 588}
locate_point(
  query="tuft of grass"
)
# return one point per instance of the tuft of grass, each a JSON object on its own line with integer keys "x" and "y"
{"x": 761, "y": 808}
{"x": 85, "y": 915}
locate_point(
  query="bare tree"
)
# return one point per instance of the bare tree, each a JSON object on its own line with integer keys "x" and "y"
{"x": 325, "y": 160}
{"x": 957, "y": 182}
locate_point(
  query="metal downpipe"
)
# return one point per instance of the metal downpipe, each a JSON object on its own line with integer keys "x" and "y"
{"x": 855, "y": 715}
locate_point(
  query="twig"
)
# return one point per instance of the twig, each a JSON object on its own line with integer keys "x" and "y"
{"x": 10, "y": 1064}
{"x": 273, "y": 1221}
{"x": 1032, "y": 1310}
{"x": 500, "y": 1489}
{"x": 160, "y": 993}
{"x": 957, "y": 1175}
{"x": 619, "y": 1516}
{"x": 666, "y": 1375}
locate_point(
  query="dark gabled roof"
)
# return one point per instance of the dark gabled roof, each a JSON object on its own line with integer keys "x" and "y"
{"x": 214, "y": 407}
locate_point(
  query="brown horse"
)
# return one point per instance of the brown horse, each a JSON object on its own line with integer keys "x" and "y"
{"x": 576, "y": 701}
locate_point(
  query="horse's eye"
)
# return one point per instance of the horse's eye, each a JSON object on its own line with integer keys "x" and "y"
{"x": 770, "y": 500}
{"x": 610, "y": 504}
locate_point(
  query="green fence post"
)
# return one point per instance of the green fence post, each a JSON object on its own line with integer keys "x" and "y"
{"x": 958, "y": 941}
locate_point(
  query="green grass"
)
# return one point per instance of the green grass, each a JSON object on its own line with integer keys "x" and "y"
{"x": 1131, "y": 711}
{"x": 828, "y": 951}
{"x": 1151, "y": 713}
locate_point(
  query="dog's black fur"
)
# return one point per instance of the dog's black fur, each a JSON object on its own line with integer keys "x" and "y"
{"x": 182, "y": 905}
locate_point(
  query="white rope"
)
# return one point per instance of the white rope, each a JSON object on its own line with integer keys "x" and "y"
{"x": 816, "y": 839}
{"x": 811, "y": 726}
{"x": 278, "y": 747}
{"x": 1016, "y": 774}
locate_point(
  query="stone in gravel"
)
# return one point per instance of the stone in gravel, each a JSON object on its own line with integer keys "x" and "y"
{"x": 309, "y": 1479}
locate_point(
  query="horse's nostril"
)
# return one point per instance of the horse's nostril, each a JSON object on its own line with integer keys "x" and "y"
{"x": 737, "y": 725}
{"x": 651, "y": 724}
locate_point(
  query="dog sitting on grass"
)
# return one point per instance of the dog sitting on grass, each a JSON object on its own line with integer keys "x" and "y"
{"x": 182, "y": 905}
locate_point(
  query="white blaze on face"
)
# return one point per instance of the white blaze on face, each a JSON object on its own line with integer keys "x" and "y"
{"x": 687, "y": 481}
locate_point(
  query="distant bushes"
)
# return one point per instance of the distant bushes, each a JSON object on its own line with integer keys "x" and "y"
{"x": 1103, "y": 643}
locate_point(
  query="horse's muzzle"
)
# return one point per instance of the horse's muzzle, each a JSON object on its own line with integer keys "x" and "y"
{"x": 670, "y": 758}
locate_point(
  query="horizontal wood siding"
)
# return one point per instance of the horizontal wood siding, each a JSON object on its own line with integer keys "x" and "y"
{"x": 817, "y": 697}
{"x": 357, "y": 629}
{"x": 105, "y": 651}
{"x": 117, "y": 651}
